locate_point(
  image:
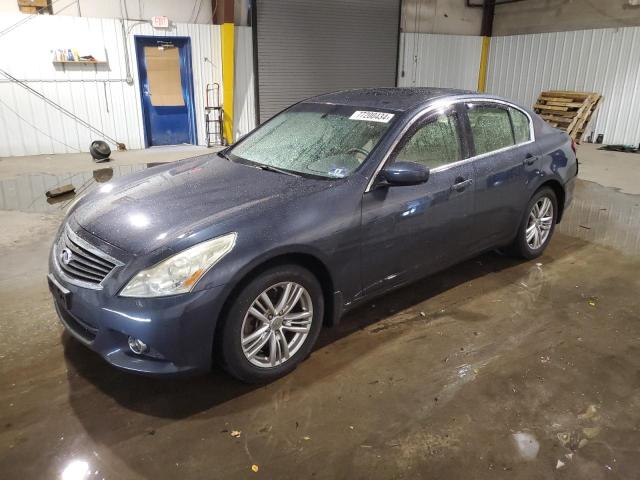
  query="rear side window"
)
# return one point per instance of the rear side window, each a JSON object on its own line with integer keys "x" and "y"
{"x": 434, "y": 144}
{"x": 520, "y": 126}
{"x": 491, "y": 128}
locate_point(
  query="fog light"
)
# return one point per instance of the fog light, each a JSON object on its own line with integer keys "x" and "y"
{"x": 137, "y": 346}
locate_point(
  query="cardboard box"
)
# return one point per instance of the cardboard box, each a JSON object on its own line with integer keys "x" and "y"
{"x": 29, "y": 10}
{"x": 32, "y": 3}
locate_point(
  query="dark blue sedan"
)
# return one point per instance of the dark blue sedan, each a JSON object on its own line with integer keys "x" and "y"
{"x": 243, "y": 256}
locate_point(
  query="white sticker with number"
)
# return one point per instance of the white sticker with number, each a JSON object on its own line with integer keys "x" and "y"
{"x": 382, "y": 117}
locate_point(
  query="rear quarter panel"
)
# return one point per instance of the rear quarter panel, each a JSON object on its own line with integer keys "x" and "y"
{"x": 558, "y": 161}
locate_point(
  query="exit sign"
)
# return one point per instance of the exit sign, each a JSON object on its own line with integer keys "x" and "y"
{"x": 160, "y": 22}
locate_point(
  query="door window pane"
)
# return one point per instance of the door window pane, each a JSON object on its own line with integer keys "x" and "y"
{"x": 491, "y": 128}
{"x": 435, "y": 144}
{"x": 163, "y": 74}
{"x": 520, "y": 126}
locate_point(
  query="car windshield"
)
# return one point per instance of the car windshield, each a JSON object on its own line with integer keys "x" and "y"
{"x": 329, "y": 141}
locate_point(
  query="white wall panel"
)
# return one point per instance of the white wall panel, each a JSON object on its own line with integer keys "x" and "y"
{"x": 440, "y": 16}
{"x": 244, "y": 108}
{"x": 606, "y": 61}
{"x": 433, "y": 60}
{"x": 98, "y": 94}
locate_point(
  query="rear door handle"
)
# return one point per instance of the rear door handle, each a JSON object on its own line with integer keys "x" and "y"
{"x": 461, "y": 184}
{"x": 529, "y": 159}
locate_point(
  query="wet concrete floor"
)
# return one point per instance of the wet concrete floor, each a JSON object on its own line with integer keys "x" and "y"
{"x": 495, "y": 368}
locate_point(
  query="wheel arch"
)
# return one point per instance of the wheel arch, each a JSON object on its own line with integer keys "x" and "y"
{"x": 558, "y": 189}
{"x": 304, "y": 259}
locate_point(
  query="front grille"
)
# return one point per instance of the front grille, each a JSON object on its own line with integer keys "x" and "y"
{"x": 82, "y": 262}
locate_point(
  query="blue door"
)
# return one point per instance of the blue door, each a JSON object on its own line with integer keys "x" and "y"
{"x": 164, "y": 70}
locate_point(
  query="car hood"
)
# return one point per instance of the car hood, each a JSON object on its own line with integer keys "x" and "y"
{"x": 142, "y": 212}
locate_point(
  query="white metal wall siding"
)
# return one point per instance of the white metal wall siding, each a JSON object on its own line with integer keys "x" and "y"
{"x": 307, "y": 48}
{"x": 99, "y": 95}
{"x": 205, "y": 43}
{"x": 431, "y": 60}
{"x": 604, "y": 60}
{"x": 244, "y": 99}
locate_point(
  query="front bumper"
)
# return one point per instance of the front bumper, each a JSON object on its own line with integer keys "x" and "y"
{"x": 178, "y": 329}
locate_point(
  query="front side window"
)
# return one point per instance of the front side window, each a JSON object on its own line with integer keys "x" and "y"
{"x": 435, "y": 144}
{"x": 520, "y": 125}
{"x": 491, "y": 128}
{"x": 329, "y": 141}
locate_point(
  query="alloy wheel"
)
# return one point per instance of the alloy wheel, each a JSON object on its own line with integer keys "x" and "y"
{"x": 276, "y": 324}
{"x": 539, "y": 223}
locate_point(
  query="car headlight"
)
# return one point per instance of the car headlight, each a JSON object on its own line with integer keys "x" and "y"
{"x": 180, "y": 272}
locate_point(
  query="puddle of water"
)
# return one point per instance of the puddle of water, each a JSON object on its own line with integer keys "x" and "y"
{"x": 26, "y": 193}
{"x": 526, "y": 445}
{"x": 103, "y": 175}
{"x": 604, "y": 216}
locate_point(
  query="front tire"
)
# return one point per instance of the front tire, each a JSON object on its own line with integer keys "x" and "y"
{"x": 272, "y": 324}
{"x": 537, "y": 226}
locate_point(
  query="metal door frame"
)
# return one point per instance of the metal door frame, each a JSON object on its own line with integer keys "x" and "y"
{"x": 186, "y": 74}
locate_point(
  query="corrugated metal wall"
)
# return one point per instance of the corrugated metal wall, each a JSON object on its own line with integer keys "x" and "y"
{"x": 432, "y": 60}
{"x": 604, "y": 60}
{"x": 307, "y": 48}
{"x": 97, "y": 94}
{"x": 244, "y": 108}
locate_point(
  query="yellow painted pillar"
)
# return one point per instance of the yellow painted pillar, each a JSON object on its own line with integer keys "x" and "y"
{"x": 226, "y": 30}
{"x": 484, "y": 60}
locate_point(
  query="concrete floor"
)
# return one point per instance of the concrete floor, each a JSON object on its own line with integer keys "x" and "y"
{"x": 495, "y": 368}
{"x": 611, "y": 169}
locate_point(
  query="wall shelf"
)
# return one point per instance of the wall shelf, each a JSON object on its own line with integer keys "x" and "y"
{"x": 81, "y": 62}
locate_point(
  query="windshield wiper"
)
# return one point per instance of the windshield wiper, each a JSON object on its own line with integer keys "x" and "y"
{"x": 261, "y": 166}
{"x": 269, "y": 168}
{"x": 223, "y": 154}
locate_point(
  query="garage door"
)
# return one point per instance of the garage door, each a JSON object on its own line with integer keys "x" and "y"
{"x": 310, "y": 47}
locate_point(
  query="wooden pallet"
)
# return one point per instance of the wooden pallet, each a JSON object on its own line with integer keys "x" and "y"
{"x": 568, "y": 111}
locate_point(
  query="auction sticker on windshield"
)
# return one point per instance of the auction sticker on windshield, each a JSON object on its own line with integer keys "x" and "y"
{"x": 383, "y": 117}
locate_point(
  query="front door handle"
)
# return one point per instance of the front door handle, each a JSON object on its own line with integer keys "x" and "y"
{"x": 461, "y": 184}
{"x": 529, "y": 159}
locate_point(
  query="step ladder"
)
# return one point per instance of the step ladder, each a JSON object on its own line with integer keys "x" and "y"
{"x": 213, "y": 116}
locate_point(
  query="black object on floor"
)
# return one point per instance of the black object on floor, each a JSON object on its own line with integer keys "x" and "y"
{"x": 100, "y": 151}
{"x": 620, "y": 148}
{"x": 56, "y": 192}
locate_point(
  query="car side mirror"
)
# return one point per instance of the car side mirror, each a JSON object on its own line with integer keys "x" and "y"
{"x": 404, "y": 173}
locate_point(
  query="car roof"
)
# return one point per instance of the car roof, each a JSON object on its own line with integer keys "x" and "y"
{"x": 400, "y": 99}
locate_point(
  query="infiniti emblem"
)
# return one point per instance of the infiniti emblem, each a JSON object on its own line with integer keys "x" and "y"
{"x": 66, "y": 256}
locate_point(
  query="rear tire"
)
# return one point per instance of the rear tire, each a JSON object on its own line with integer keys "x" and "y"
{"x": 537, "y": 226}
{"x": 264, "y": 335}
